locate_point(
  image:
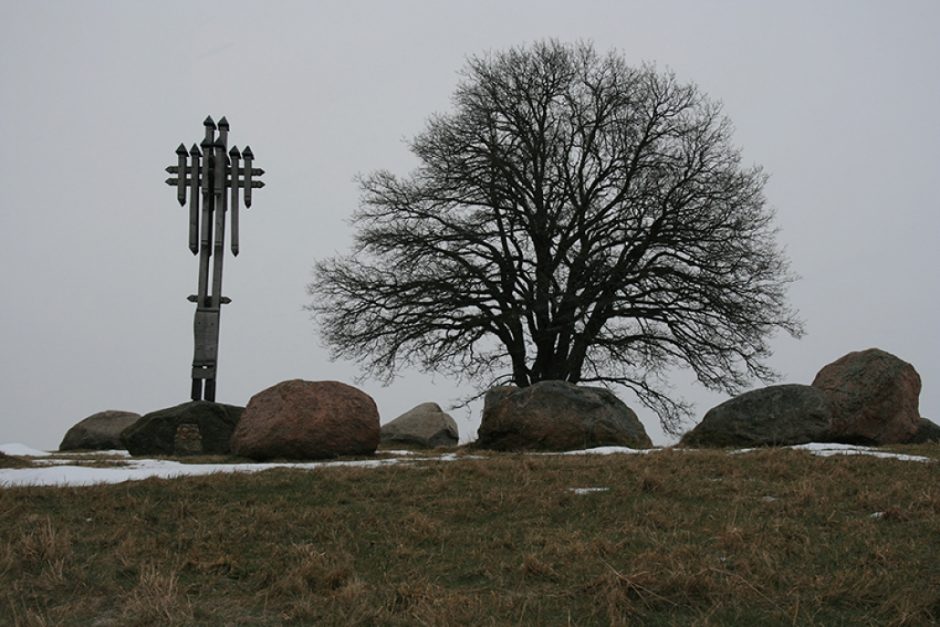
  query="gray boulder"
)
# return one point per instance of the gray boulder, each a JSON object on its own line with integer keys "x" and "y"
{"x": 194, "y": 428}
{"x": 779, "y": 415}
{"x": 99, "y": 432}
{"x": 426, "y": 426}
{"x": 927, "y": 431}
{"x": 557, "y": 416}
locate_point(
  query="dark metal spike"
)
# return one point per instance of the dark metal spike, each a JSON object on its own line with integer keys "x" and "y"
{"x": 233, "y": 204}
{"x": 194, "y": 195}
{"x": 223, "y": 123}
{"x": 206, "y": 143}
{"x": 181, "y": 156}
{"x": 208, "y": 122}
{"x": 248, "y": 156}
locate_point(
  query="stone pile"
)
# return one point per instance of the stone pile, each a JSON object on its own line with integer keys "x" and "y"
{"x": 866, "y": 397}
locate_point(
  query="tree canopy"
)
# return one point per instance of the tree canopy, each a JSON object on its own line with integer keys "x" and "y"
{"x": 571, "y": 218}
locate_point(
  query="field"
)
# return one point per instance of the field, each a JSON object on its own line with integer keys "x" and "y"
{"x": 770, "y": 537}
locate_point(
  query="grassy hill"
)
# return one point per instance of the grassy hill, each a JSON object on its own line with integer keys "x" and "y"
{"x": 675, "y": 537}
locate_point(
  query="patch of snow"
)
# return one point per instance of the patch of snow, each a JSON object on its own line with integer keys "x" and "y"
{"x": 53, "y": 461}
{"x": 65, "y": 475}
{"x": 877, "y": 515}
{"x": 21, "y": 450}
{"x": 607, "y": 450}
{"x": 588, "y": 490}
{"x": 828, "y": 446}
{"x": 110, "y": 453}
{"x": 830, "y": 449}
{"x": 452, "y": 457}
{"x": 62, "y": 471}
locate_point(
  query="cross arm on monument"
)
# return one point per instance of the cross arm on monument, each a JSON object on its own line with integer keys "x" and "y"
{"x": 228, "y": 181}
{"x": 172, "y": 169}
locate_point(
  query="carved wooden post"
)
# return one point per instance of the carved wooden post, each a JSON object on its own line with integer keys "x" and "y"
{"x": 216, "y": 176}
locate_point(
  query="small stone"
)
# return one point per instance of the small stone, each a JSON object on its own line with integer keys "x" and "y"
{"x": 188, "y": 440}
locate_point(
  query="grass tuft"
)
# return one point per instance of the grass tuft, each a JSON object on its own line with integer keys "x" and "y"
{"x": 12, "y": 461}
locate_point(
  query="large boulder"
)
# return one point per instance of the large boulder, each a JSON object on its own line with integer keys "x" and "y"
{"x": 557, "y": 416}
{"x": 194, "y": 428}
{"x": 307, "y": 420}
{"x": 874, "y": 398}
{"x": 425, "y": 426}
{"x": 927, "y": 431}
{"x": 99, "y": 432}
{"x": 778, "y": 415}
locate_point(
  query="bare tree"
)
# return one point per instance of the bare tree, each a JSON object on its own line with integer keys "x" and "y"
{"x": 572, "y": 218}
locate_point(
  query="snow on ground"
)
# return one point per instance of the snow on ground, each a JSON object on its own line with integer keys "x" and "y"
{"x": 608, "y": 450}
{"x": 824, "y": 449}
{"x": 57, "y": 471}
{"x": 815, "y": 448}
{"x": 588, "y": 490}
{"x": 67, "y": 475}
{"x": 828, "y": 450}
{"x": 21, "y": 450}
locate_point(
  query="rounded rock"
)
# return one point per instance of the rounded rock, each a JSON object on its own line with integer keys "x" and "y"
{"x": 557, "y": 416}
{"x": 426, "y": 426}
{"x": 300, "y": 419}
{"x": 779, "y": 415}
{"x": 99, "y": 432}
{"x": 874, "y": 397}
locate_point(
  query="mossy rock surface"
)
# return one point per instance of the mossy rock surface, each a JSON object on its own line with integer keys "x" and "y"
{"x": 194, "y": 428}
{"x": 779, "y": 415}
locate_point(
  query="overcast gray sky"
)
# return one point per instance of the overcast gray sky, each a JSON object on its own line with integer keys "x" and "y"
{"x": 839, "y": 101}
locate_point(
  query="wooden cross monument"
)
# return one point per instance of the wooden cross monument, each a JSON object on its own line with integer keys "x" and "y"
{"x": 215, "y": 175}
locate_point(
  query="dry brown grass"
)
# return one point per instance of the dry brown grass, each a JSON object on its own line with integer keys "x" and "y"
{"x": 12, "y": 461}
{"x": 704, "y": 538}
